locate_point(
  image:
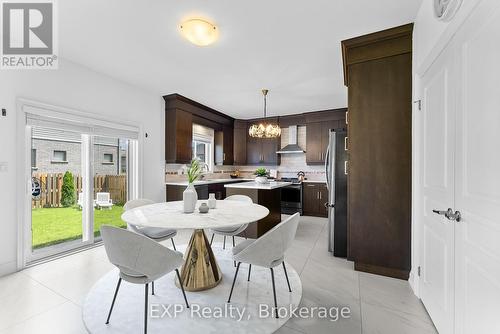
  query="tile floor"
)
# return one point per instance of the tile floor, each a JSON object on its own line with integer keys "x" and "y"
{"x": 47, "y": 298}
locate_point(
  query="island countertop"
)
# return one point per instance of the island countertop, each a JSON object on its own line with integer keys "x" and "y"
{"x": 258, "y": 186}
{"x": 202, "y": 182}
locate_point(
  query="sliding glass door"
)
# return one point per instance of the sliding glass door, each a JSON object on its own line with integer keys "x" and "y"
{"x": 80, "y": 180}
{"x": 57, "y": 187}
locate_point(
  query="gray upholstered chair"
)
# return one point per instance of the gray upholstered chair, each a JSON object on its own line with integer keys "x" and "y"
{"x": 268, "y": 251}
{"x": 140, "y": 261}
{"x": 231, "y": 231}
{"x": 156, "y": 233}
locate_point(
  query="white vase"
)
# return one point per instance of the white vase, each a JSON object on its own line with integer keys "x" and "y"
{"x": 189, "y": 197}
{"x": 261, "y": 179}
{"x": 212, "y": 202}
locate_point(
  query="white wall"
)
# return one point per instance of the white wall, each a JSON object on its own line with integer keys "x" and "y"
{"x": 429, "y": 32}
{"x": 75, "y": 87}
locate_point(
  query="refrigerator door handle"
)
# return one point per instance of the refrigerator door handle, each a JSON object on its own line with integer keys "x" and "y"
{"x": 327, "y": 157}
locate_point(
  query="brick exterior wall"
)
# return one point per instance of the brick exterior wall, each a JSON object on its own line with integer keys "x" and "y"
{"x": 45, "y": 157}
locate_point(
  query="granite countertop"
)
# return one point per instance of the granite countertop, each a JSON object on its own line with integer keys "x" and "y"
{"x": 259, "y": 186}
{"x": 203, "y": 182}
{"x": 314, "y": 181}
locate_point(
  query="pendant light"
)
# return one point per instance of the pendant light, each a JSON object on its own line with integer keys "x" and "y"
{"x": 265, "y": 129}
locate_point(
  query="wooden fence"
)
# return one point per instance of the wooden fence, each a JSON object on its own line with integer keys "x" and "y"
{"x": 51, "y": 184}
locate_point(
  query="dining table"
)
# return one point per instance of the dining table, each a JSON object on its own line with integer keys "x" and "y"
{"x": 200, "y": 270}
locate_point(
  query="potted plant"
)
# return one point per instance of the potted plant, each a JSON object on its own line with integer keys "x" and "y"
{"x": 261, "y": 175}
{"x": 190, "y": 196}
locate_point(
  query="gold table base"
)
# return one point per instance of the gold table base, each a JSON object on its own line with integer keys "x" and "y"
{"x": 200, "y": 270}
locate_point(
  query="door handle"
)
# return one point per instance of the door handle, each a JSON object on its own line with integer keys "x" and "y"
{"x": 453, "y": 216}
{"x": 443, "y": 213}
{"x": 457, "y": 216}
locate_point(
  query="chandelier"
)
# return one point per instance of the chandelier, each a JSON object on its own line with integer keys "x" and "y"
{"x": 265, "y": 129}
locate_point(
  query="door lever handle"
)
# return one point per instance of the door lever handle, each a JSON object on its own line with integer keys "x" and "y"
{"x": 456, "y": 216}
{"x": 444, "y": 213}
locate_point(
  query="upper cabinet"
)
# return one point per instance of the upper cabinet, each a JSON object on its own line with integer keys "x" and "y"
{"x": 317, "y": 133}
{"x": 224, "y": 146}
{"x": 180, "y": 115}
{"x": 261, "y": 151}
{"x": 178, "y": 136}
{"x": 240, "y": 143}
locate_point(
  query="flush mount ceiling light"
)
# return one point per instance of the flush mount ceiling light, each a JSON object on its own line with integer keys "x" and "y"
{"x": 265, "y": 129}
{"x": 199, "y": 32}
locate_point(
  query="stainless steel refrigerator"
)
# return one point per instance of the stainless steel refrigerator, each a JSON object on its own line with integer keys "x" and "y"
{"x": 336, "y": 178}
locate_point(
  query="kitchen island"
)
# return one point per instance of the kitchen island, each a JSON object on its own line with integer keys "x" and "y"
{"x": 268, "y": 195}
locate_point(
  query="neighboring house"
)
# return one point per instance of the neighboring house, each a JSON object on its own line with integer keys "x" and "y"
{"x": 55, "y": 151}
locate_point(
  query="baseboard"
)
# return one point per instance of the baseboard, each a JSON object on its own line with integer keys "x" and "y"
{"x": 413, "y": 280}
{"x": 384, "y": 271}
{"x": 8, "y": 268}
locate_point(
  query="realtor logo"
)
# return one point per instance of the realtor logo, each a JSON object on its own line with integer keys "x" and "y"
{"x": 28, "y": 35}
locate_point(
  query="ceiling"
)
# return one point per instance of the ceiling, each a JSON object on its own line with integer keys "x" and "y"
{"x": 290, "y": 47}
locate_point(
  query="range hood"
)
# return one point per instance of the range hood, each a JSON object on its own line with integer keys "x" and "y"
{"x": 292, "y": 146}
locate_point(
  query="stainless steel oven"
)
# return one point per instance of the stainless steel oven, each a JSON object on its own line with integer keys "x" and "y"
{"x": 291, "y": 197}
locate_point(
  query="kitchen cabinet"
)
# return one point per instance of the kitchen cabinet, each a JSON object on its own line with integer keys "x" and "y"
{"x": 174, "y": 192}
{"x": 181, "y": 113}
{"x": 262, "y": 151}
{"x": 315, "y": 195}
{"x": 378, "y": 74}
{"x": 178, "y": 136}
{"x": 218, "y": 189}
{"x": 317, "y": 136}
{"x": 224, "y": 146}
{"x": 240, "y": 143}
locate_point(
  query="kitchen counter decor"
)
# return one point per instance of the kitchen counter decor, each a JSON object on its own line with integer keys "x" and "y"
{"x": 190, "y": 196}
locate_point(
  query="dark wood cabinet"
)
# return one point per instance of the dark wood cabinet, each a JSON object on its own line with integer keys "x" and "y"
{"x": 378, "y": 73}
{"x": 315, "y": 195}
{"x": 240, "y": 143}
{"x": 174, "y": 192}
{"x": 254, "y": 150}
{"x": 224, "y": 146}
{"x": 262, "y": 151}
{"x": 317, "y": 134}
{"x": 314, "y": 143}
{"x": 228, "y": 141}
{"x": 181, "y": 114}
{"x": 178, "y": 136}
{"x": 269, "y": 149}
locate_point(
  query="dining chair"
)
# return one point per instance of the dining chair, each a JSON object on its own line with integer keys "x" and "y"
{"x": 231, "y": 231}
{"x": 156, "y": 233}
{"x": 140, "y": 261}
{"x": 268, "y": 251}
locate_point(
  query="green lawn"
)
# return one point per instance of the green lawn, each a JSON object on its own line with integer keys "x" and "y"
{"x": 56, "y": 225}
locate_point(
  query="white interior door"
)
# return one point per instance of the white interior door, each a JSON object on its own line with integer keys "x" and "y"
{"x": 437, "y": 187}
{"x": 478, "y": 173}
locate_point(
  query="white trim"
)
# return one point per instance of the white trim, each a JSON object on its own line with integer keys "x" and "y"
{"x": 23, "y": 176}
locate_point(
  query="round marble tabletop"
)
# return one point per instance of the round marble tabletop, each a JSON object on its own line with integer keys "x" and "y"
{"x": 171, "y": 215}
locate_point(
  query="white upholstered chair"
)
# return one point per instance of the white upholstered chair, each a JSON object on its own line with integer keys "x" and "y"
{"x": 140, "y": 261}
{"x": 156, "y": 233}
{"x": 231, "y": 231}
{"x": 267, "y": 251}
